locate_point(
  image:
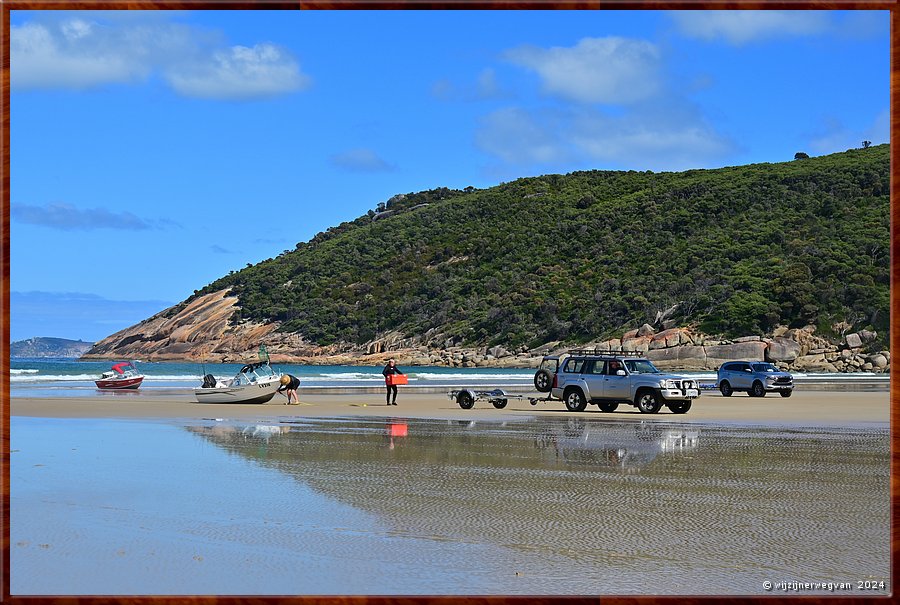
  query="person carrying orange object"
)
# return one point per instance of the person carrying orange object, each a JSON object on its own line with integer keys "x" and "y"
{"x": 389, "y": 370}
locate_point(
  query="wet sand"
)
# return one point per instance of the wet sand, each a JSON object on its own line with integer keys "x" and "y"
{"x": 559, "y": 504}
{"x": 805, "y": 407}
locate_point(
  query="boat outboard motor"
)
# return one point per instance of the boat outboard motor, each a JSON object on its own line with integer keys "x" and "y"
{"x": 209, "y": 381}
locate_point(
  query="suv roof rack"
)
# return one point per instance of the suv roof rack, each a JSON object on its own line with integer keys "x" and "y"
{"x": 605, "y": 352}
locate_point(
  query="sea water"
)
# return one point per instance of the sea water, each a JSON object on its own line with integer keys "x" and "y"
{"x": 41, "y": 377}
{"x": 517, "y": 505}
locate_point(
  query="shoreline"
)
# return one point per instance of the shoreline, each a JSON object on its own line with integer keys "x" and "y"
{"x": 806, "y": 407}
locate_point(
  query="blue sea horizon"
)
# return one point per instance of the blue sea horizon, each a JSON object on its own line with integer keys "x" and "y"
{"x": 69, "y": 377}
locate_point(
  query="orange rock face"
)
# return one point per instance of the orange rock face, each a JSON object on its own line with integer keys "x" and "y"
{"x": 200, "y": 331}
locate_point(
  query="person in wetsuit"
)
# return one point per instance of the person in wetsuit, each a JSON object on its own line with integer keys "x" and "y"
{"x": 290, "y": 384}
{"x": 390, "y": 369}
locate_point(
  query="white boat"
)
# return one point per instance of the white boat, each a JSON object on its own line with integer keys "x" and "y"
{"x": 254, "y": 383}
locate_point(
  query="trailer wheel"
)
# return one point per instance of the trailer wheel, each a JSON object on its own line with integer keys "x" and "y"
{"x": 543, "y": 381}
{"x": 499, "y": 403}
{"x": 465, "y": 400}
{"x": 607, "y": 407}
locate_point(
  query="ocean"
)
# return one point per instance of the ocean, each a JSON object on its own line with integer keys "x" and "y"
{"x": 65, "y": 377}
{"x": 69, "y": 377}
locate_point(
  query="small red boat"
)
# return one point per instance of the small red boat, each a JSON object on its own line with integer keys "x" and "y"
{"x": 122, "y": 376}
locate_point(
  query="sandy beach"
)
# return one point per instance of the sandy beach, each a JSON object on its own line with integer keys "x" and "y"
{"x": 152, "y": 493}
{"x": 832, "y": 408}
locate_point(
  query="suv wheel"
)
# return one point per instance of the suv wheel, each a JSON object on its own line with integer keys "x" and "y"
{"x": 465, "y": 400}
{"x": 607, "y": 406}
{"x": 726, "y": 389}
{"x": 647, "y": 401}
{"x": 757, "y": 390}
{"x": 680, "y": 407}
{"x": 786, "y": 392}
{"x": 575, "y": 400}
{"x": 543, "y": 381}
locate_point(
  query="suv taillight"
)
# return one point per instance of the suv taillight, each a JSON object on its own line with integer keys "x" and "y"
{"x": 555, "y": 378}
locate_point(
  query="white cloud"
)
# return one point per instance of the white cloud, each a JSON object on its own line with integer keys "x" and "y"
{"x": 650, "y": 138}
{"x": 516, "y": 136}
{"x": 68, "y": 57}
{"x": 361, "y": 160}
{"x": 596, "y": 70}
{"x": 646, "y": 137}
{"x": 240, "y": 73}
{"x": 76, "y": 53}
{"x": 743, "y": 26}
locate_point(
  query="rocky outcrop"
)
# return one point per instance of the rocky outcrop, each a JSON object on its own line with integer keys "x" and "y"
{"x": 200, "y": 331}
{"x": 204, "y": 330}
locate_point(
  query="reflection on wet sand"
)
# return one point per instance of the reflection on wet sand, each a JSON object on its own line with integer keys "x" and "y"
{"x": 600, "y": 507}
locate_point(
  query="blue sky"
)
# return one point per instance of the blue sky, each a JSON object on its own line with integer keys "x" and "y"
{"x": 153, "y": 152}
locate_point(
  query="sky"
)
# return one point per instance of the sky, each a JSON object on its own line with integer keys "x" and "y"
{"x": 152, "y": 152}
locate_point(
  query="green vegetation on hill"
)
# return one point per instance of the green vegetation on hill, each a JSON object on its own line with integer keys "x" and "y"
{"x": 589, "y": 254}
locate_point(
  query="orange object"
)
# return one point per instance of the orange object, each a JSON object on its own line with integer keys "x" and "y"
{"x": 398, "y": 430}
{"x": 393, "y": 379}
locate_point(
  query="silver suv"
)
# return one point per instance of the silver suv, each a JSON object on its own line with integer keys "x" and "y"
{"x": 755, "y": 377}
{"x": 607, "y": 379}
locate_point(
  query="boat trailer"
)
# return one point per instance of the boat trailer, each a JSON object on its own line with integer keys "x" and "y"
{"x": 498, "y": 398}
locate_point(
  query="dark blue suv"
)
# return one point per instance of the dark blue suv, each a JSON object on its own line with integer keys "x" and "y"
{"x": 755, "y": 377}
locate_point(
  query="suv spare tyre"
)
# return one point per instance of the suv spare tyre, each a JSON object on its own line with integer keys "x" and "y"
{"x": 543, "y": 381}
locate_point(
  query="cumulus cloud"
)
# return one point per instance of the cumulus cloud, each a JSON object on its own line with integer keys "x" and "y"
{"x": 517, "y": 136}
{"x": 744, "y": 26}
{"x": 641, "y": 138}
{"x": 67, "y": 217}
{"x": 70, "y": 56}
{"x": 78, "y": 53}
{"x": 361, "y": 160}
{"x": 239, "y": 73}
{"x": 650, "y": 137}
{"x": 596, "y": 70}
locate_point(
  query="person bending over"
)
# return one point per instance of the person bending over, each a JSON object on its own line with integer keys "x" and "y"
{"x": 290, "y": 384}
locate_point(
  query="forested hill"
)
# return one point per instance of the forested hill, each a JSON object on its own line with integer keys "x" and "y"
{"x": 576, "y": 257}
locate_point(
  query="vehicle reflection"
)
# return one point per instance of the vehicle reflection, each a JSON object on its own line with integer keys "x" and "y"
{"x": 625, "y": 445}
{"x": 530, "y": 443}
